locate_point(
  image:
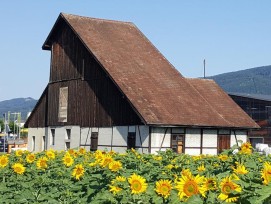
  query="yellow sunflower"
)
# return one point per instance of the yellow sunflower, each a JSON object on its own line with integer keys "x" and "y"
{"x": 240, "y": 169}
{"x": 187, "y": 173}
{"x": 106, "y": 160}
{"x": 19, "y": 152}
{"x": 163, "y": 188}
{"x": 82, "y": 151}
{"x": 246, "y": 148}
{"x": 42, "y": 163}
{"x": 223, "y": 157}
{"x": 137, "y": 184}
{"x": 50, "y": 154}
{"x": 201, "y": 168}
{"x": 114, "y": 189}
{"x": 210, "y": 184}
{"x": 115, "y": 166}
{"x": 78, "y": 171}
{"x": 30, "y": 158}
{"x": 18, "y": 168}
{"x": 266, "y": 173}
{"x": 227, "y": 186}
{"x": 190, "y": 185}
{"x": 71, "y": 151}
{"x": 3, "y": 161}
{"x": 68, "y": 160}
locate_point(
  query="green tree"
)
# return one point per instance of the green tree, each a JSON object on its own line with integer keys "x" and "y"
{"x": 13, "y": 127}
{"x": 2, "y": 125}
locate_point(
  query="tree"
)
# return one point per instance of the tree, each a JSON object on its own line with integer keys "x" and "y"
{"x": 14, "y": 128}
{"x": 2, "y": 125}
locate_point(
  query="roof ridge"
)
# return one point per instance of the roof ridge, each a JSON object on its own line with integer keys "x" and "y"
{"x": 98, "y": 19}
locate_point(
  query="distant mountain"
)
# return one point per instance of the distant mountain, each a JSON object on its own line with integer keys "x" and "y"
{"x": 23, "y": 105}
{"x": 250, "y": 81}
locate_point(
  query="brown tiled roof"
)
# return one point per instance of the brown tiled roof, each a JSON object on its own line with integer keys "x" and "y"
{"x": 154, "y": 88}
{"x": 222, "y": 103}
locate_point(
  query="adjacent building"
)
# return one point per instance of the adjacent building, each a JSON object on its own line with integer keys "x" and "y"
{"x": 258, "y": 107}
{"x": 110, "y": 88}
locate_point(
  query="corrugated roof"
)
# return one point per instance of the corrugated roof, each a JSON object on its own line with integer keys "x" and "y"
{"x": 156, "y": 90}
{"x": 261, "y": 97}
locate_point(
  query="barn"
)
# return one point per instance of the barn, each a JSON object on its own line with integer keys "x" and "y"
{"x": 110, "y": 88}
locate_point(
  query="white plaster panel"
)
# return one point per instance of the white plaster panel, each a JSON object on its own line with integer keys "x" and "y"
{"x": 75, "y": 136}
{"x": 157, "y": 137}
{"x": 241, "y": 136}
{"x": 85, "y": 135}
{"x": 144, "y": 133}
{"x": 120, "y": 135}
{"x": 209, "y": 151}
{"x": 192, "y": 138}
{"x": 143, "y": 150}
{"x": 191, "y": 151}
{"x": 177, "y": 130}
{"x": 209, "y": 138}
{"x": 105, "y": 136}
{"x": 38, "y": 133}
{"x": 119, "y": 149}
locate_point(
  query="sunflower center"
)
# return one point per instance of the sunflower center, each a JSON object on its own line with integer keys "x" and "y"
{"x": 227, "y": 188}
{"x": 191, "y": 188}
{"x": 3, "y": 162}
{"x": 17, "y": 169}
{"x": 79, "y": 171}
{"x": 136, "y": 185}
{"x": 164, "y": 189}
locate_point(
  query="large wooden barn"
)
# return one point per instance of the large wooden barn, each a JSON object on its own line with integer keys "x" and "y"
{"x": 110, "y": 88}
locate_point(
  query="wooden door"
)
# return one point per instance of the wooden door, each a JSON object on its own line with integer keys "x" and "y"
{"x": 223, "y": 142}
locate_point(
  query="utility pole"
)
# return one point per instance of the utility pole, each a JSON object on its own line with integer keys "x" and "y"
{"x": 204, "y": 68}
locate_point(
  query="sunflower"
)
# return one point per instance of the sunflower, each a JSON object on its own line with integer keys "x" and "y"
{"x": 71, "y": 151}
{"x": 68, "y": 160}
{"x": 137, "y": 184}
{"x": 114, "y": 189}
{"x": 266, "y": 173}
{"x": 201, "y": 168}
{"x": 210, "y": 183}
{"x": 163, "y": 188}
{"x": 106, "y": 160}
{"x": 240, "y": 169}
{"x": 190, "y": 185}
{"x": 246, "y": 148}
{"x": 42, "y": 163}
{"x": 30, "y": 158}
{"x": 187, "y": 173}
{"x": 78, "y": 171}
{"x": 3, "y": 161}
{"x": 82, "y": 151}
{"x": 115, "y": 166}
{"x": 223, "y": 157}
{"x": 227, "y": 186}
{"x": 50, "y": 154}
{"x": 18, "y": 168}
{"x": 19, "y": 152}
{"x": 120, "y": 178}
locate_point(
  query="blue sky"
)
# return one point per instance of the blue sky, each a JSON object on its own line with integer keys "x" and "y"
{"x": 231, "y": 35}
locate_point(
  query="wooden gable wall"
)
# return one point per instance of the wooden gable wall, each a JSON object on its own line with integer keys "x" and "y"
{"x": 93, "y": 99}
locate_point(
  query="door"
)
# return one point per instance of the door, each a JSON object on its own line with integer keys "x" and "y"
{"x": 224, "y": 142}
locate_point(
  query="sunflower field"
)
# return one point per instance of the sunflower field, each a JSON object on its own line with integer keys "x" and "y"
{"x": 78, "y": 176}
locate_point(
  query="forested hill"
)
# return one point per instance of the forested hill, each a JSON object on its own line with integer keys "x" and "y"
{"x": 23, "y": 105}
{"x": 251, "y": 81}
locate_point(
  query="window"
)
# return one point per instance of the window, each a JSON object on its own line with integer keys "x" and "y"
{"x": 94, "y": 141}
{"x": 131, "y": 140}
{"x": 68, "y": 134}
{"x": 67, "y": 145}
{"x": 33, "y": 143}
{"x": 52, "y": 136}
{"x": 63, "y": 104}
{"x": 255, "y": 140}
{"x": 177, "y": 143}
